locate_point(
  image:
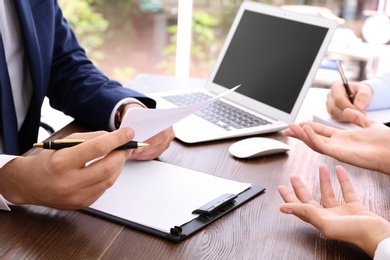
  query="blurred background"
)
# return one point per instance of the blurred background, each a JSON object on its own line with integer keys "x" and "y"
{"x": 125, "y": 38}
{"x": 128, "y": 37}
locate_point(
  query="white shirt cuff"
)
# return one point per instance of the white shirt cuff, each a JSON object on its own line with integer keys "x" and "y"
{"x": 125, "y": 100}
{"x": 382, "y": 252}
{"x": 3, "y": 160}
{"x": 381, "y": 92}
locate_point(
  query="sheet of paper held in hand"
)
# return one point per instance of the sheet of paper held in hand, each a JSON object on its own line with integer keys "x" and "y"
{"x": 161, "y": 195}
{"x": 149, "y": 122}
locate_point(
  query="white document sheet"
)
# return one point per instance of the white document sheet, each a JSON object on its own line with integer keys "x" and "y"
{"x": 161, "y": 195}
{"x": 324, "y": 118}
{"x": 149, "y": 122}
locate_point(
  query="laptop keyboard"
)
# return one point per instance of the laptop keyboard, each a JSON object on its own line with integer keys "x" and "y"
{"x": 219, "y": 113}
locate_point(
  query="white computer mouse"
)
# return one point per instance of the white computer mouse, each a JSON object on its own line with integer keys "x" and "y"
{"x": 256, "y": 147}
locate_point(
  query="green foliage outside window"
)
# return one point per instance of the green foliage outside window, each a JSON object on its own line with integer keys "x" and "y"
{"x": 204, "y": 42}
{"x": 88, "y": 25}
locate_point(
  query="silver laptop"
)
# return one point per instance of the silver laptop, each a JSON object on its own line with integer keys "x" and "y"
{"x": 274, "y": 54}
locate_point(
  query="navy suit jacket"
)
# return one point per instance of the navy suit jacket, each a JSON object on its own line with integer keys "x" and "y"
{"x": 61, "y": 71}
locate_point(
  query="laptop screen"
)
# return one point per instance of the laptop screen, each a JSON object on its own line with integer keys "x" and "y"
{"x": 270, "y": 57}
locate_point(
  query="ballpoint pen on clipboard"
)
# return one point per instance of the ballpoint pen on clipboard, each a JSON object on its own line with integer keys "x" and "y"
{"x": 345, "y": 81}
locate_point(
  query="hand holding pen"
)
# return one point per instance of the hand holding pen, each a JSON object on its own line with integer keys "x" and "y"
{"x": 67, "y": 179}
{"x": 345, "y": 81}
{"x": 359, "y": 96}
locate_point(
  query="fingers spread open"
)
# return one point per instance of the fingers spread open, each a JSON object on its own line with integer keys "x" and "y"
{"x": 306, "y": 212}
{"x": 327, "y": 193}
{"x": 347, "y": 189}
{"x": 320, "y": 129}
{"x": 357, "y": 118}
{"x": 287, "y": 195}
{"x": 301, "y": 191}
{"x": 316, "y": 142}
{"x": 298, "y": 132}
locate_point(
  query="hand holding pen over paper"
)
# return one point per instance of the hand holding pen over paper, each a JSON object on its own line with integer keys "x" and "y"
{"x": 342, "y": 95}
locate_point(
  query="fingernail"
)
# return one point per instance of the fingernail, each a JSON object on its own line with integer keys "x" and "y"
{"x": 138, "y": 150}
{"x": 360, "y": 104}
{"x": 130, "y": 155}
{"x": 130, "y": 133}
{"x": 286, "y": 210}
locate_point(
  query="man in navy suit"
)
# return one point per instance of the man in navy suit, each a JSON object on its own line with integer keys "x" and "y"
{"x": 40, "y": 56}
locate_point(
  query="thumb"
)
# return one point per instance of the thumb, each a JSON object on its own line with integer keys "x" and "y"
{"x": 357, "y": 118}
{"x": 306, "y": 212}
{"x": 362, "y": 98}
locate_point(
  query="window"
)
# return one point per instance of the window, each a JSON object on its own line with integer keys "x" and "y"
{"x": 140, "y": 36}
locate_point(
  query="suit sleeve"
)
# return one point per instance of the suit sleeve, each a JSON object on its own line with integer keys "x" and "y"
{"x": 77, "y": 87}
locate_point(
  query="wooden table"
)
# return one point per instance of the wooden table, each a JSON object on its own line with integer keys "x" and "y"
{"x": 256, "y": 230}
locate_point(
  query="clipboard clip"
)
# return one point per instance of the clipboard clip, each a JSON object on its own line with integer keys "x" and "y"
{"x": 215, "y": 205}
{"x": 177, "y": 231}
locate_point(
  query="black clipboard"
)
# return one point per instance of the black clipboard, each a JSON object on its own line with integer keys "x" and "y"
{"x": 180, "y": 233}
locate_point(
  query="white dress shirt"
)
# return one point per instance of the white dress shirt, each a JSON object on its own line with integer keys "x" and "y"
{"x": 14, "y": 53}
{"x": 383, "y": 250}
{"x": 18, "y": 69}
